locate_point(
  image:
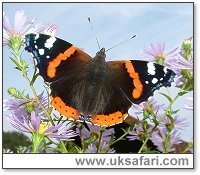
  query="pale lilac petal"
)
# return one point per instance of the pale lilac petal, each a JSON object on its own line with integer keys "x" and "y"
{"x": 20, "y": 20}
{"x": 35, "y": 121}
{"x": 27, "y": 26}
{"x": 184, "y": 61}
{"x": 18, "y": 124}
{"x": 149, "y": 51}
{"x": 39, "y": 27}
{"x": 53, "y": 128}
{"x": 189, "y": 107}
{"x": 51, "y": 29}
{"x": 6, "y": 24}
{"x": 172, "y": 52}
{"x": 155, "y": 48}
{"x": 162, "y": 47}
{"x": 96, "y": 129}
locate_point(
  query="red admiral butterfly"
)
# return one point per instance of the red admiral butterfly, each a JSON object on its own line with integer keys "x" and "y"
{"x": 91, "y": 89}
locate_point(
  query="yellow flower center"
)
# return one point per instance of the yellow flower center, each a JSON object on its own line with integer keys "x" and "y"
{"x": 43, "y": 127}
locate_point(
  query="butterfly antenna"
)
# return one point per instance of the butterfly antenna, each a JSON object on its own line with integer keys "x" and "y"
{"x": 94, "y": 32}
{"x": 121, "y": 43}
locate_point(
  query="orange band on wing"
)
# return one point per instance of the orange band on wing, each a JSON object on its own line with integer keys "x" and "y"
{"x": 137, "y": 91}
{"x": 51, "y": 69}
{"x": 108, "y": 120}
{"x": 63, "y": 109}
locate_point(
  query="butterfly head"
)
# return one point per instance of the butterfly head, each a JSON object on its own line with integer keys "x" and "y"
{"x": 101, "y": 54}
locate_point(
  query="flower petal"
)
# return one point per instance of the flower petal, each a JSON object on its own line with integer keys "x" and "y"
{"x": 20, "y": 20}
{"x": 35, "y": 121}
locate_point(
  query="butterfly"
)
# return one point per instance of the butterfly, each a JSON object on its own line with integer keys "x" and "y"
{"x": 89, "y": 88}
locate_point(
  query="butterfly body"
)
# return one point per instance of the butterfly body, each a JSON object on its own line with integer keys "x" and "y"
{"x": 91, "y": 89}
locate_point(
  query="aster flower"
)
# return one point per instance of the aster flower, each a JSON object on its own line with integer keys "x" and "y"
{"x": 179, "y": 63}
{"x": 138, "y": 133}
{"x": 177, "y": 123}
{"x": 103, "y": 148}
{"x": 184, "y": 75}
{"x": 94, "y": 130}
{"x": 165, "y": 141}
{"x": 34, "y": 125}
{"x": 173, "y": 60}
{"x": 189, "y": 106}
{"x": 145, "y": 107}
{"x": 156, "y": 53}
{"x": 14, "y": 36}
{"x": 22, "y": 108}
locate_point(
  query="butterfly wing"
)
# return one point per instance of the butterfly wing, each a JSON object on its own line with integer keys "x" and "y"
{"x": 55, "y": 58}
{"x": 139, "y": 79}
{"x": 62, "y": 65}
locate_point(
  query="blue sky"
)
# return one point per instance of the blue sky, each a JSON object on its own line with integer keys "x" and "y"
{"x": 113, "y": 22}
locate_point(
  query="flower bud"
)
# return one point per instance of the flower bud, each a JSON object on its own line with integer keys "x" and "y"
{"x": 15, "y": 43}
{"x": 12, "y": 91}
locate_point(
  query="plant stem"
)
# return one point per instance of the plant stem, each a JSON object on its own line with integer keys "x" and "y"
{"x": 120, "y": 138}
{"x": 81, "y": 135}
{"x": 160, "y": 120}
{"x": 63, "y": 146}
{"x": 100, "y": 137}
{"x": 24, "y": 72}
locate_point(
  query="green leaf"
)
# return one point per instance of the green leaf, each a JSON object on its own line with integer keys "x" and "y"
{"x": 182, "y": 93}
{"x": 173, "y": 112}
{"x": 168, "y": 97}
{"x": 16, "y": 63}
{"x": 33, "y": 79}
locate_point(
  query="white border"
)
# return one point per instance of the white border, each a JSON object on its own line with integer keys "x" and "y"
{"x": 118, "y": 161}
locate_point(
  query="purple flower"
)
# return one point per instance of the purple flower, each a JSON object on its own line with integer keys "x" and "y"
{"x": 177, "y": 123}
{"x": 22, "y": 27}
{"x": 189, "y": 106}
{"x": 179, "y": 63}
{"x": 138, "y": 133}
{"x": 183, "y": 77}
{"x": 22, "y": 108}
{"x": 103, "y": 148}
{"x": 162, "y": 140}
{"x": 34, "y": 125}
{"x": 150, "y": 105}
{"x": 156, "y": 53}
{"x": 94, "y": 130}
{"x": 14, "y": 36}
{"x": 173, "y": 60}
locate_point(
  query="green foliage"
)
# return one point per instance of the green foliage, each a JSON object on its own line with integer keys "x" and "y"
{"x": 12, "y": 140}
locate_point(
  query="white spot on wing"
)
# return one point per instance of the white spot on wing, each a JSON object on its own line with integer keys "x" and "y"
{"x": 151, "y": 68}
{"x": 36, "y": 46}
{"x": 37, "y": 36}
{"x": 165, "y": 70}
{"x": 146, "y": 82}
{"x": 154, "y": 81}
{"x": 161, "y": 79}
{"x": 47, "y": 56}
{"x": 35, "y": 61}
{"x": 41, "y": 51}
{"x": 49, "y": 42}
